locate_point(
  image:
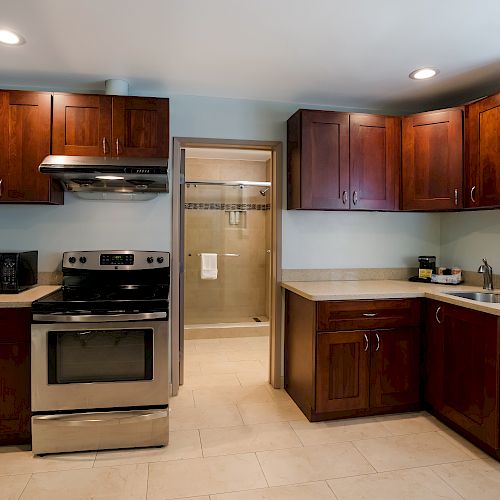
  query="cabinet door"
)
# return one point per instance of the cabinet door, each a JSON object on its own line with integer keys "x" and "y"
{"x": 482, "y": 140}
{"x": 324, "y": 173}
{"x": 24, "y": 142}
{"x": 342, "y": 371}
{"x": 81, "y": 125}
{"x": 394, "y": 369}
{"x": 140, "y": 127}
{"x": 471, "y": 367}
{"x": 434, "y": 354}
{"x": 432, "y": 160}
{"x": 375, "y": 161}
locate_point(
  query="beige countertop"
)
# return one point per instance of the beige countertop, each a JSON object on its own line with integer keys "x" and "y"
{"x": 387, "y": 289}
{"x": 25, "y": 299}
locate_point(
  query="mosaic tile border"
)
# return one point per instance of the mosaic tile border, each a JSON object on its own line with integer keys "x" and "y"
{"x": 227, "y": 206}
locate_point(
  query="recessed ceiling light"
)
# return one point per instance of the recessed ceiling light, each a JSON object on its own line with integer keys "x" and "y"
{"x": 8, "y": 37}
{"x": 423, "y": 73}
{"x": 109, "y": 177}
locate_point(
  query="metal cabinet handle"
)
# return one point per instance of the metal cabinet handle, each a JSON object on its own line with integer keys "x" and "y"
{"x": 1, "y": 187}
{"x": 437, "y": 315}
{"x": 378, "y": 342}
{"x": 117, "y": 146}
{"x": 355, "y": 197}
{"x": 93, "y": 418}
{"x": 456, "y": 197}
{"x": 369, "y": 315}
{"x": 367, "y": 342}
{"x": 472, "y": 191}
{"x": 344, "y": 197}
{"x": 104, "y": 145}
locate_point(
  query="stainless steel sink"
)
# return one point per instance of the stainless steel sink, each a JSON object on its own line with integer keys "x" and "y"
{"x": 493, "y": 298}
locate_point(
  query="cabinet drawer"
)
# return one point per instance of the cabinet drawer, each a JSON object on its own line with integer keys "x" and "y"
{"x": 367, "y": 314}
{"x": 15, "y": 325}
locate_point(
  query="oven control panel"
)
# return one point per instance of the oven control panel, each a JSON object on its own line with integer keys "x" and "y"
{"x": 115, "y": 260}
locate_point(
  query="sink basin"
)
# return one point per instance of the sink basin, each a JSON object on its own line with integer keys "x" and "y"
{"x": 490, "y": 297}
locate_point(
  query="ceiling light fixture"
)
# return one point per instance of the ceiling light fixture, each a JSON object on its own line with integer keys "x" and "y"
{"x": 8, "y": 37}
{"x": 423, "y": 73}
{"x": 109, "y": 177}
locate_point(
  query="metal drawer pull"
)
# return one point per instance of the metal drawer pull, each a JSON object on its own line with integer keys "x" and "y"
{"x": 472, "y": 191}
{"x": 104, "y": 145}
{"x": 1, "y": 186}
{"x": 437, "y": 315}
{"x": 367, "y": 342}
{"x": 344, "y": 197}
{"x": 355, "y": 197}
{"x": 94, "y": 418}
{"x": 456, "y": 196}
{"x": 117, "y": 146}
{"x": 369, "y": 315}
{"x": 378, "y": 342}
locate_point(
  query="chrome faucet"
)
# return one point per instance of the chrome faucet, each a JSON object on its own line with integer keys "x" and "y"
{"x": 487, "y": 271}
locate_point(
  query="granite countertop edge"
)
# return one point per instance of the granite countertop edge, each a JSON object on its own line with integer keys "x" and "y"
{"x": 26, "y": 298}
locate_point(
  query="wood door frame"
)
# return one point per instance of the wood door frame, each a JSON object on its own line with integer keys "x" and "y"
{"x": 276, "y": 296}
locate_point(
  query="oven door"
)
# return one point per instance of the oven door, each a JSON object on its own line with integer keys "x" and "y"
{"x": 79, "y": 366}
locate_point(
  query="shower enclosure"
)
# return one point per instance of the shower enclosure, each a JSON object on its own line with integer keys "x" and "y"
{"x": 227, "y": 212}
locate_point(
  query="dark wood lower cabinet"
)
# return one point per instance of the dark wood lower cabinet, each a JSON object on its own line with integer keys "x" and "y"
{"x": 15, "y": 392}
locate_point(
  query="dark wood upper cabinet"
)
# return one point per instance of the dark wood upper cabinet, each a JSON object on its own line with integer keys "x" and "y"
{"x": 482, "y": 147}
{"x": 375, "y": 161}
{"x": 318, "y": 160}
{"x": 82, "y": 125}
{"x": 96, "y": 125}
{"x": 394, "y": 369}
{"x": 342, "y": 371}
{"x": 432, "y": 167}
{"x": 140, "y": 127}
{"x": 25, "y": 120}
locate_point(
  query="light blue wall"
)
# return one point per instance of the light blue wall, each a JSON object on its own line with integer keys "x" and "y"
{"x": 310, "y": 240}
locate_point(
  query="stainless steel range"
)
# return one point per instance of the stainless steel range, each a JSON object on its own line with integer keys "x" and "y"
{"x": 99, "y": 354}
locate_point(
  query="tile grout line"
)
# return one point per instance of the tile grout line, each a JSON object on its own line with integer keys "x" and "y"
{"x": 147, "y": 482}
{"x": 25, "y": 486}
{"x": 262, "y": 469}
{"x": 444, "y": 480}
{"x": 331, "y": 489}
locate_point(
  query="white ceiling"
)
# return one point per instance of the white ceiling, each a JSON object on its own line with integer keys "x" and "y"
{"x": 350, "y": 53}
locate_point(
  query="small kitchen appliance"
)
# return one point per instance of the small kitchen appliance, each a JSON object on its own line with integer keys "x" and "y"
{"x": 18, "y": 271}
{"x": 100, "y": 356}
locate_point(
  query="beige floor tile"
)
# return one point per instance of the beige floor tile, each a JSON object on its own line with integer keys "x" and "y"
{"x": 196, "y": 381}
{"x": 232, "y": 395}
{"x": 253, "y": 378}
{"x": 312, "y": 463}
{"x": 11, "y": 487}
{"x": 184, "y": 399}
{"x": 202, "y": 418}
{"x": 278, "y": 394}
{"x": 409, "y": 484}
{"x": 248, "y": 438}
{"x": 107, "y": 483}
{"x": 275, "y": 411}
{"x": 462, "y": 443}
{"x": 410, "y": 423}
{"x": 14, "y": 460}
{"x": 248, "y": 355}
{"x": 473, "y": 480}
{"x": 206, "y": 357}
{"x": 204, "y": 476}
{"x": 337, "y": 431}
{"x": 309, "y": 491}
{"x": 182, "y": 444}
{"x": 410, "y": 450}
{"x": 230, "y": 367}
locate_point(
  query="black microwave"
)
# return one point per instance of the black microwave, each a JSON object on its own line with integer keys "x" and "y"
{"x": 18, "y": 271}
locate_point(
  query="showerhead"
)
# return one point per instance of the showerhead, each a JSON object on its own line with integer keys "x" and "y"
{"x": 263, "y": 191}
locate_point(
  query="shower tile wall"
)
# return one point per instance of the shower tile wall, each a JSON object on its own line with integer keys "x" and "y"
{"x": 239, "y": 293}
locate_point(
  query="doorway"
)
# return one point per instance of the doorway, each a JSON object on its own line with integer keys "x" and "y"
{"x": 227, "y": 203}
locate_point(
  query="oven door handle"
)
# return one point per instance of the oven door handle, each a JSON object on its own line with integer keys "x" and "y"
{"x": 97, "y": 318}
{"x": 96, "y": 418}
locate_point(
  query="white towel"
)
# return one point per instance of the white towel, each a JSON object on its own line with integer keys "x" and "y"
{"x": 208, "y": 266}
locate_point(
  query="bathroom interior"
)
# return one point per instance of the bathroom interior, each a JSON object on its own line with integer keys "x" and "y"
{"x": 227, "y": 212}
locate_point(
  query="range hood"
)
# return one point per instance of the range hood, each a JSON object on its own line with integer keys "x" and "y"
{"x": 95, "y": 174}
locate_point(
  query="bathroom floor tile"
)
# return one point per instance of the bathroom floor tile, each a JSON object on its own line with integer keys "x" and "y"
{"x": 312, "y": 463}
{"x": 204, "y": 476}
